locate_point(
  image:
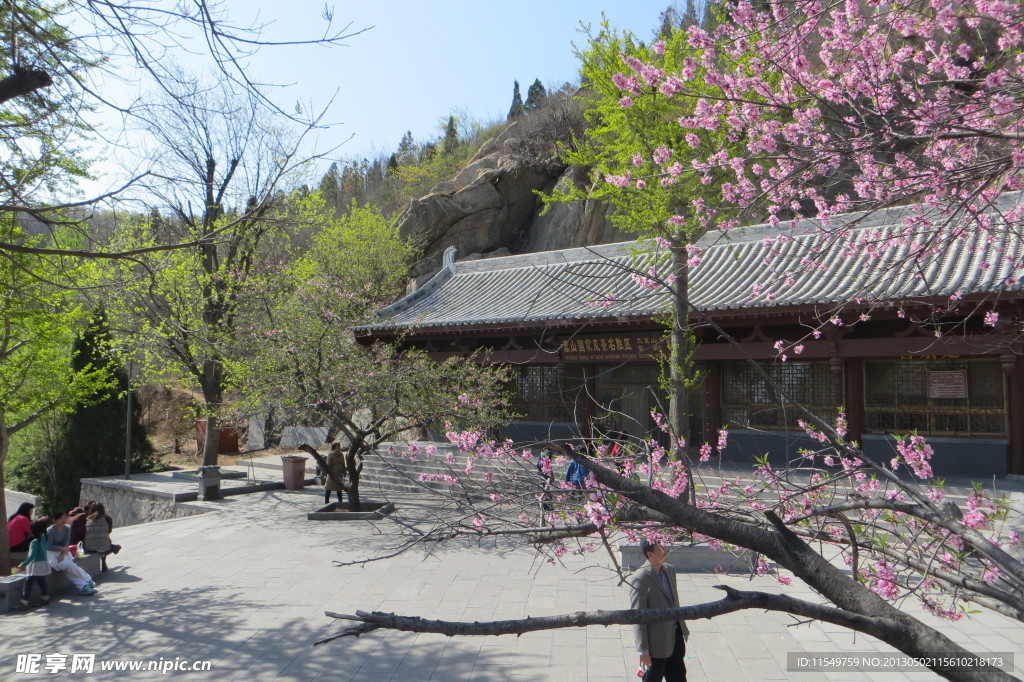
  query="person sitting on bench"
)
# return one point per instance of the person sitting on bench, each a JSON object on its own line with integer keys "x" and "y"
{"x": 97, "y": 533}
{"x": 58, "y": 536}
{"x": 19, "y": 528}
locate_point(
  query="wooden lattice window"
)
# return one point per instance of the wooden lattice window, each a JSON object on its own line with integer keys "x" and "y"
{"x": 538, "y": 394}
{"x": 935, "y": 397}
{"x": 748, "y": 401}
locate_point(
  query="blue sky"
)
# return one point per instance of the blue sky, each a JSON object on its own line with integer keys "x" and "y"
{"x": 422, "y": 61}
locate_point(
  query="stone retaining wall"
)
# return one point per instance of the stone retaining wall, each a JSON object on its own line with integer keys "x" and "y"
{"x": 129, "y": 506}
{"x": 14, "y": 499}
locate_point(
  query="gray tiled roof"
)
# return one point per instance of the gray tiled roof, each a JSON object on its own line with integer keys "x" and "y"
{"x": 805, "y": 267}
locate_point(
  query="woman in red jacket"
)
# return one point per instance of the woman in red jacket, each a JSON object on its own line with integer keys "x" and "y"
{"x": 19, "y": 528}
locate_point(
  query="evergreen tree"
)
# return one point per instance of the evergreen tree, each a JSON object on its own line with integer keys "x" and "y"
{"x": 330, "y": 187}
{"x": 406, "y": 148}
{"x": 516, "y": 110}
{"x": 428, "y": 152}
{"x": 392, "y": 164}
{"x": 451, "y": 138}
{"x": 535, "y": 95}
{"x": 92, "y": 440}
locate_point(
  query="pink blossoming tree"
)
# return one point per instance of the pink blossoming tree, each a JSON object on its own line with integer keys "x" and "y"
{"x": 807, "y": 107}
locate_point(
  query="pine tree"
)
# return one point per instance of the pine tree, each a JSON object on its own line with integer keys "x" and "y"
{"x": 535, "y": 95}
{"x": 451, "y": 138}
{"x": 428, "y": 152}
{"x": 330, "y": 187}
{"x": 516, "y": 110}
{"x": 92, "y": 440}
{"x": 406, "y": 149}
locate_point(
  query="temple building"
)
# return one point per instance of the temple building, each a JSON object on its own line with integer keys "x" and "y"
{"x": 903, "y": 334}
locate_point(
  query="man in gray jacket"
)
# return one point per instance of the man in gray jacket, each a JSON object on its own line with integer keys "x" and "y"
{"x": 661, "y": 645}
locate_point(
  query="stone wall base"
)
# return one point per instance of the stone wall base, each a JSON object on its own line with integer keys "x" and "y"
{"x": 129, "y": 506}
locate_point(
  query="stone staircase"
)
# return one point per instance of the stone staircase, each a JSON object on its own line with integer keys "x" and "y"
{"x": 392, "y": 472}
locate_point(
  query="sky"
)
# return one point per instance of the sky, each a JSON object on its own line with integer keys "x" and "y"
{"x": 419, "y": 62}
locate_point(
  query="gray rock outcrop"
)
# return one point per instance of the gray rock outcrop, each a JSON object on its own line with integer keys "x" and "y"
{"x": 491, "y": 208}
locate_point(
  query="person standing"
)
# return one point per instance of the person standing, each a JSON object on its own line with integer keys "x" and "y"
{"x": 336, "y": 463}
{"x": 661, "y": 646}
{"x": 36, "y": 565}
{"x": 58, "y": 536}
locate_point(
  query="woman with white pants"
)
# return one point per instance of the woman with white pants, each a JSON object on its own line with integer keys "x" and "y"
{"x": 58, "y": 536}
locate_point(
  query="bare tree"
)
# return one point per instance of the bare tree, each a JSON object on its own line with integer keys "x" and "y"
{"x": 219, "y": 161}
{"x": 66, "y": 68}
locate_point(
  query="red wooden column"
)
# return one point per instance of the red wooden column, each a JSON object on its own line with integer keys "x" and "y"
{"x": 589, "y": 399}
{"x": 1015, "y": 391}
{"x": 712, "y": 400}
{"x": 853, "y": 396}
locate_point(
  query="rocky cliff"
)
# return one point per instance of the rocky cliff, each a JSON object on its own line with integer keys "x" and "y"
{"x": 491, "y": 208}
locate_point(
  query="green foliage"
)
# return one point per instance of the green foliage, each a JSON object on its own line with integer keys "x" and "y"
{"x": 300, "y": 352}
{"x": 361, "y": 257}
{"x": 535, "y": 95}
{"x": 30, "y": 462}
{"x": 42, "y": 134}
{"x": 516, "y": 110}
{"x": 90, "y": 441}
{"x": 40, "y": 319}
{"x": 451, "y": 137}
{"x": 628, "y": 138}
{"x": 330, "y": 187}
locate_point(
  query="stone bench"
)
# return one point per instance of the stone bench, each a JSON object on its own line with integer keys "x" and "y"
{"x": 56, "y": 582}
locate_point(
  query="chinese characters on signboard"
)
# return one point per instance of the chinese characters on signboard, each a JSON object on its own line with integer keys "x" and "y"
{"x": 612, "y": 347}
{"x": 947, "y": 384}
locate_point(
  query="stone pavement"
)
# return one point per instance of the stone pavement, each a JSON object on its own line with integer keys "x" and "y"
{"x": 245, "y": 587}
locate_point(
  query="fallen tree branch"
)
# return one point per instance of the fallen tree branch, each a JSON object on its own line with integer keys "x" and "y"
{"x": 735, "y": 600}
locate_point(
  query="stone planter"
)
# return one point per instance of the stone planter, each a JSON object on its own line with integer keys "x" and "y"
{"x": 209, "y": 482}
{"x": 372, "y": 511}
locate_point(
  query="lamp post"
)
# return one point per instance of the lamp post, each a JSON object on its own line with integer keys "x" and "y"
{"x": 128, "y": 425}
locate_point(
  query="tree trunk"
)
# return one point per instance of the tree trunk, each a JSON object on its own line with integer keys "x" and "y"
{"x": 353, "y": 482}
{"x": 213, "y": 391}
{"x": 5, "y": 544}
{"x": 211, "y": 443}
{"x": 678, "y": 406}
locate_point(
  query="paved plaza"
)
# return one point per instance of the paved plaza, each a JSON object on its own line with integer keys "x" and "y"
{"x": 245, "y": 587}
